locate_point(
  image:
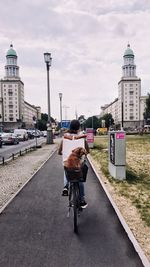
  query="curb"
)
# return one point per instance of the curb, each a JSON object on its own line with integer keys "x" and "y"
{"x": 17, "y": 192}
{"x": 134, "y": 242}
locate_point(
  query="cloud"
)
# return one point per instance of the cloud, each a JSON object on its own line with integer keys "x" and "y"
{"x": 87, "y": 40}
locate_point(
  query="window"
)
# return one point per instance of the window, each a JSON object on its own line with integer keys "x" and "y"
{"x": 131, "y": 92}
{"x": 131, "y": 117}
{"x": 10, "y": 93}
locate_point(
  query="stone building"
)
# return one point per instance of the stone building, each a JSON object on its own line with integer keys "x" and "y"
{"x": 127, "y": 110}
{"x": 14, "y": 111}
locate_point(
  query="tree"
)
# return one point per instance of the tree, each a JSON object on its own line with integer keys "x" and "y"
{"x": 147, "y": 110}
{"x": 108, "y": 120}
{"x": 42, "y": 124}
{"x": 92, "y": 122}
{"x": 82, "y": 121}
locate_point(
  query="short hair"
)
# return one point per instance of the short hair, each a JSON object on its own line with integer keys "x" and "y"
{"x": 74, "y": 125}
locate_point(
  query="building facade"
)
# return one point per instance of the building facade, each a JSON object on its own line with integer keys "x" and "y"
{"x": 31, "y": 112}
{"x": 127, "y": 110}
{"x": 13, "y": 108}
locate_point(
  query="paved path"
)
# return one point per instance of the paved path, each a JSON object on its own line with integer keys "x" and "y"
{"x": 35, "y": 230}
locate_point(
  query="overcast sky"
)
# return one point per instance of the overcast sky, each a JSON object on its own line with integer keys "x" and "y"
{"x": 87, "y": 40}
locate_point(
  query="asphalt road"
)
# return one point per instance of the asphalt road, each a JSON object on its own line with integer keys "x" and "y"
{"x": 35, "y": 230}
{"x": 7, "y": 150}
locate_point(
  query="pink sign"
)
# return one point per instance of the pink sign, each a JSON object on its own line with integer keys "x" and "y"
{"x": 89, "y": 135}
{"x": 120, "y": 135}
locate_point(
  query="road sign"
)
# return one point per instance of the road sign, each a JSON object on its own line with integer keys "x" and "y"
{"x": 65, "y": 124}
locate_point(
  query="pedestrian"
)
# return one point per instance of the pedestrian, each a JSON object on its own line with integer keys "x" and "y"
{"x": 71, "y": 134}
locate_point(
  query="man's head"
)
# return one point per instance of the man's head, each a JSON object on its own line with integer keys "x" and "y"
{"x": 74, "y": 125}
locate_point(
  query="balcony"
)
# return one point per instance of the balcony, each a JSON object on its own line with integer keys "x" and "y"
{"x": 10, "y": 93}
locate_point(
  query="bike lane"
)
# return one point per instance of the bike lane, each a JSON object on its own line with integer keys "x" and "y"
{"x": 35, "y": 230}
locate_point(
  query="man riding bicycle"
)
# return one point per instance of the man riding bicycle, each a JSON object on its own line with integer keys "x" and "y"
{"x": 73, "y": 134}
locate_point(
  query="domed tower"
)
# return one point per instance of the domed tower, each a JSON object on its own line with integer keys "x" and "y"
{"x": 129, "y": 92}
{"x": 129, "y": 68}
{"x": 12, "y": 89}
{"x": 11, "y": 68}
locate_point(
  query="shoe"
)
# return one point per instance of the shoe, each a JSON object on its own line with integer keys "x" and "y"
{"x": 83, "y": 204}
{"x": 65, "y": 191}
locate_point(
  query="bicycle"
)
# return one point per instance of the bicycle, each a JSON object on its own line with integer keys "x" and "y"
{"x": 75, "y": 176}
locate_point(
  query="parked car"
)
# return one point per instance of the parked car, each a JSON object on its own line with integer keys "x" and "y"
{"x": 30, "y": 134}
{"x": 36, "y": 133}
{"x": 10, "y": 139}
{"x": 21, "y": 134}
{"x": 44, "y": 133}
{"x": 0, "y": 141}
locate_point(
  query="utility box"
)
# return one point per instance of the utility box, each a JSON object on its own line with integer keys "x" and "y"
{"x": 117, "y": 154}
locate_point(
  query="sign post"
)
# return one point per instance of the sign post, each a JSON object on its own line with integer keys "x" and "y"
{"x": 65, "y": 124}
{"x": 90, "y": 137}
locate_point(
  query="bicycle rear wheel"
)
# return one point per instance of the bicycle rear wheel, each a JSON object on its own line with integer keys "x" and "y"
{"x": 75, "y": 205}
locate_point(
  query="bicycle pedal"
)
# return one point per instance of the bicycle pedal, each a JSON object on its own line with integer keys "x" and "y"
{"x": 80, "y": 209}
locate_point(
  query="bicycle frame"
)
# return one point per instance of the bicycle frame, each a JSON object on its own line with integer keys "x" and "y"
{"x": 74, "y": 202}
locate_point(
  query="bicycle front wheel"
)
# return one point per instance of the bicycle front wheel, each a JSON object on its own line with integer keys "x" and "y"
{"x": 75, "y": 205}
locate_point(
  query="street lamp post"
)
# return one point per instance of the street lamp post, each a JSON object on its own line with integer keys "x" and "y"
{"x": 60, "y": 97}
{"x": 122, "y": 112}
{"x": 48, "y": 61}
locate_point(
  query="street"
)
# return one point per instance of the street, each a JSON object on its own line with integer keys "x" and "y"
{"x": 7, "y": 150}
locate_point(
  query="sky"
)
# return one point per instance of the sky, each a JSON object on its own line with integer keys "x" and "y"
{"x": 86, "y": 39}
